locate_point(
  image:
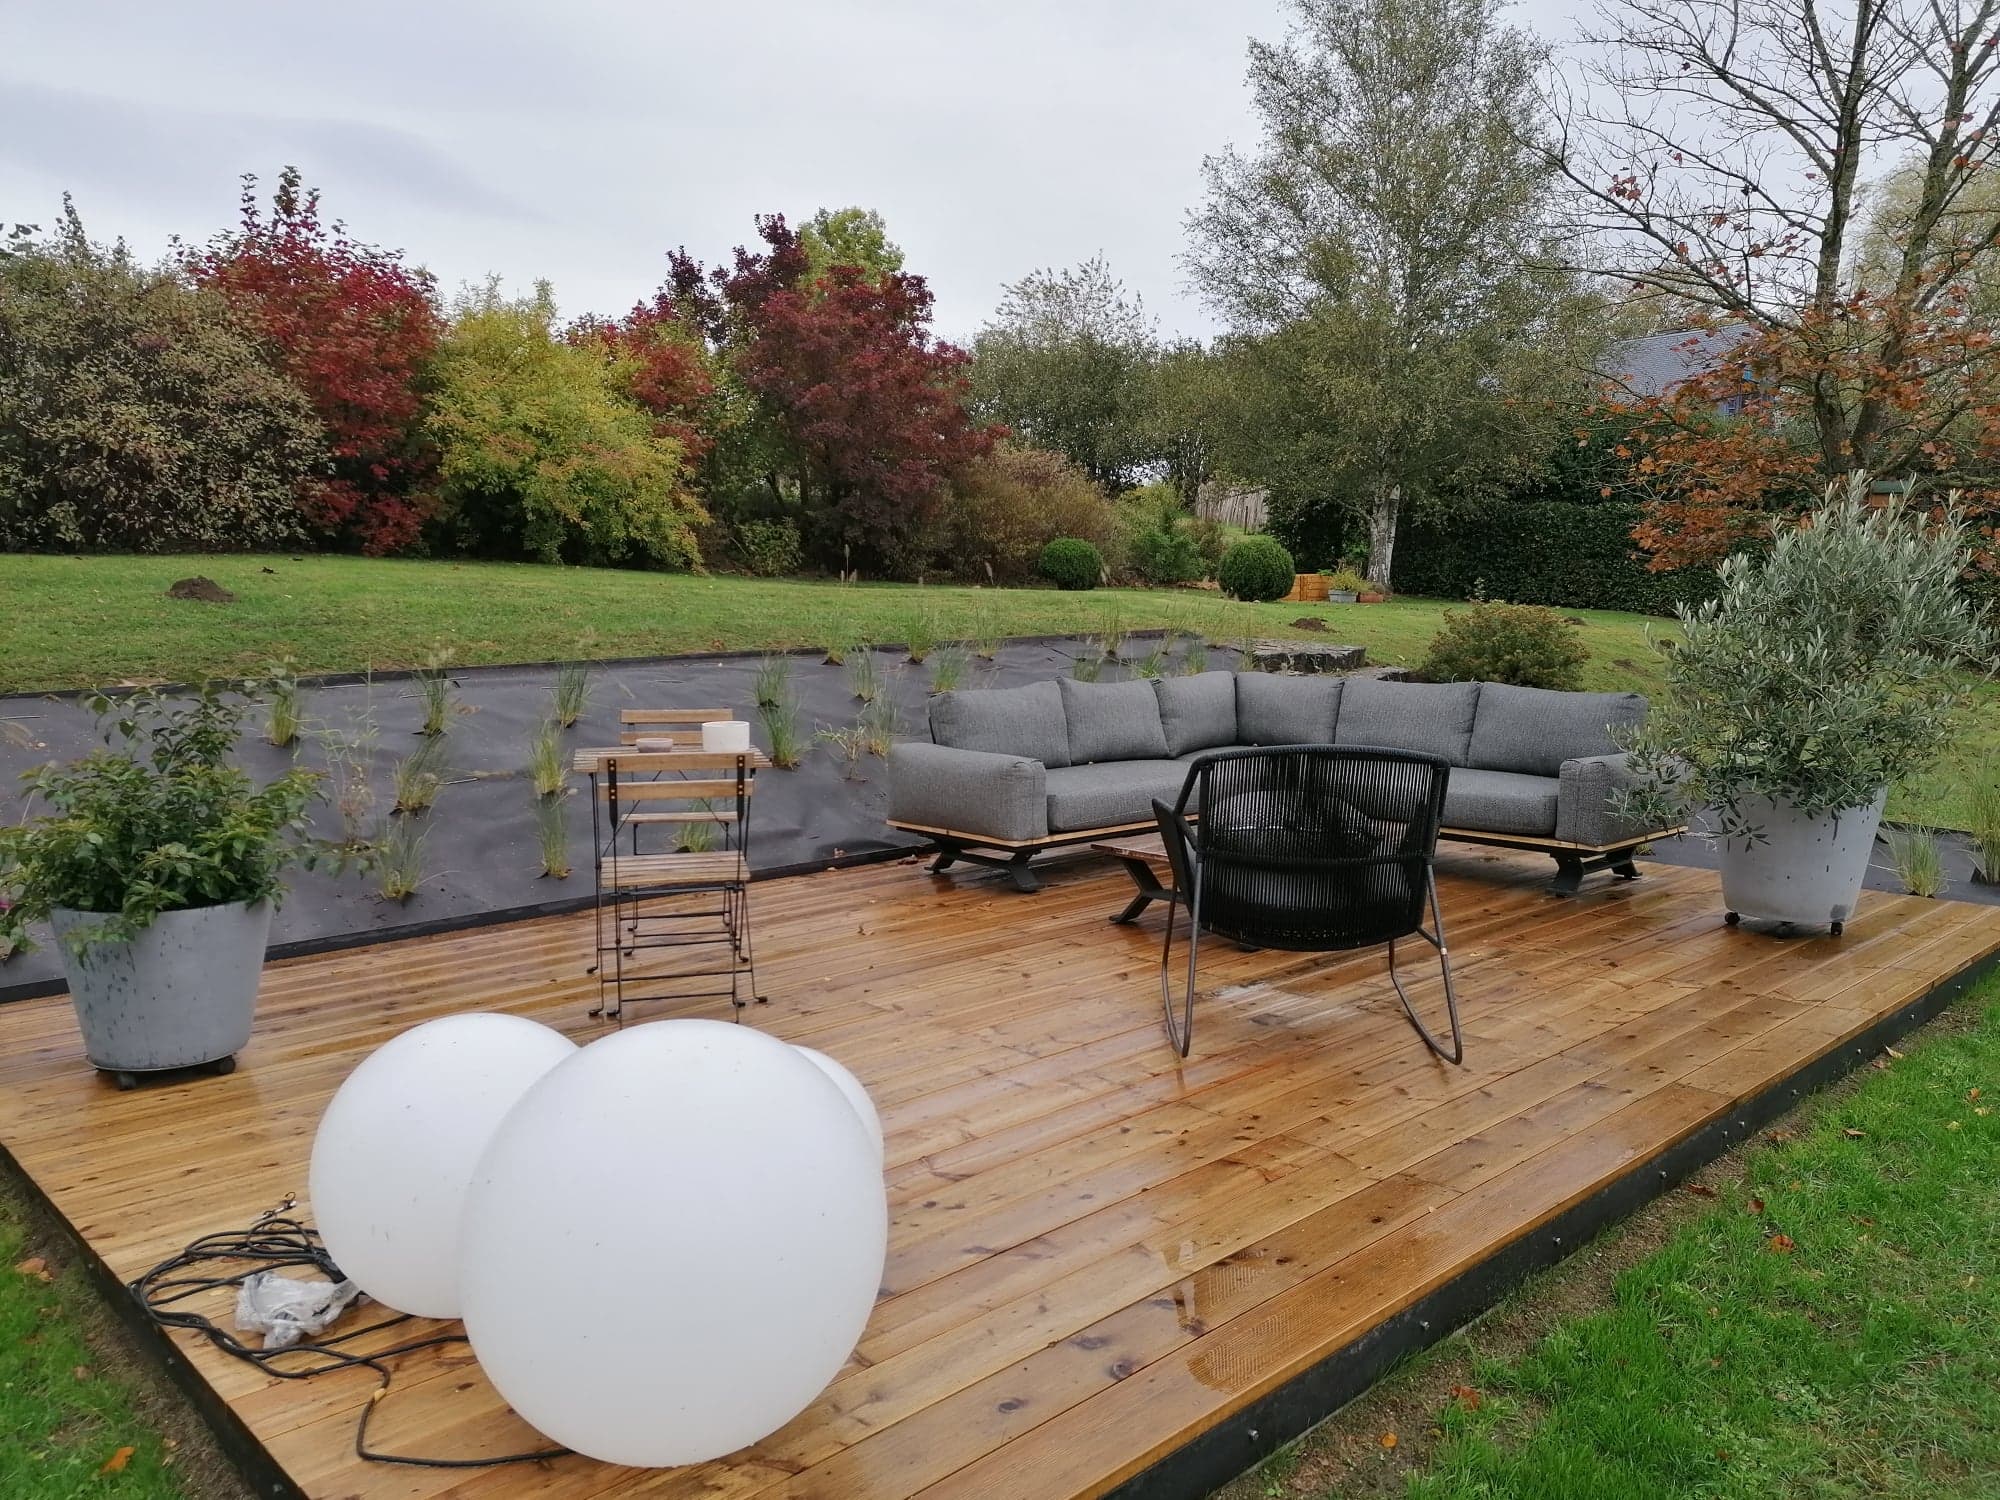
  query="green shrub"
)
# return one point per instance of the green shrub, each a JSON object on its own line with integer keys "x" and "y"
{"x": 1071, "y": 563}
{"x": 1528, "y": 645}
{"x": 1005, "y": 508}
{"x": 1346, "y": 581}
{"x": 1166, "y": 556}
{"x": 136, "y": 413}
{"x": 1557, "y": 553}
{"x": 1256, "y": 569}
{"x": 770, "y": 549}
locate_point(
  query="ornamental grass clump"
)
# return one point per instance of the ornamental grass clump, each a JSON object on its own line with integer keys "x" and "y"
{"x": 1823, "y": 671}
{"x": 571, "y": 695}
{"x": 1985, "y": 824}
{"x": 161, "y": 823}
{"x": 1917, "y": 860}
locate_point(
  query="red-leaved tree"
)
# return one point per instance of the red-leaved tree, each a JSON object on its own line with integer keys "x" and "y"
{"x": 664, "y": 366}
{"x": 856, "y": 398}
{"x": 353, "y": 327}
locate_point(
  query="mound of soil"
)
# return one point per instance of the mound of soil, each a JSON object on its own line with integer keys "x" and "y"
{"x": 206, "y": 590}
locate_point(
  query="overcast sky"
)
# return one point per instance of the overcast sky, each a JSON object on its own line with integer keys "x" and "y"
{"x": 580, "y": 140}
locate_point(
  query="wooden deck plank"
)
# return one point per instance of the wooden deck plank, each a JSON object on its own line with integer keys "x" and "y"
{"x": 1098, "y": 1250}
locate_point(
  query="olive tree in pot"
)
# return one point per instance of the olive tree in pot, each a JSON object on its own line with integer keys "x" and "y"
{"x": 1822, "y": 673}
{"x": 157, "y": 863}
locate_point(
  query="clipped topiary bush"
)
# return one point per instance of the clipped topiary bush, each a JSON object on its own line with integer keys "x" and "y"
{"x": 1256, "y": 569}
{"x": 1528, "y": 645}
{"x": 1071, "y": 563}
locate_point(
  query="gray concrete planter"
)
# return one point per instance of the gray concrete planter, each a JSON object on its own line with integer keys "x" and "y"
{"x": 1805, "y": 870}
{"x": 180, "y": 994}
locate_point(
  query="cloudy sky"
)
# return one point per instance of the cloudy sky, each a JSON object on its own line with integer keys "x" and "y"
{"x": 579, "y": 139}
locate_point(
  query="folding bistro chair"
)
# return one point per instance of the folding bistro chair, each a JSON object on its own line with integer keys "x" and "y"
{"x": 683, "y": 900}
{"x": 670, "y": 729}
{"x": 1311, "y": 848}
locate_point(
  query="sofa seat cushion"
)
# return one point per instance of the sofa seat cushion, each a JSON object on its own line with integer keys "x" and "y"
{"x": 1535, "y": 730}
{"x": 1025, "y": 721}
{"x": 1431, "y": 718}
{"x": 1282, "y": 710}
{"x": 1499, "y": 802}
{"x": 1111, "y": 793}
{"x": 1112, "y": 720}
{"x": 1198, "y": 712}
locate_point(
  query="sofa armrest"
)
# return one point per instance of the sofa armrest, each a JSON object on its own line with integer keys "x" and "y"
{"x": 968, "y": 791}
{"x": 1587, "y": 801}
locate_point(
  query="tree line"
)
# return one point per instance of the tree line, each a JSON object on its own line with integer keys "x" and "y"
{"x": 1429, "y": 266}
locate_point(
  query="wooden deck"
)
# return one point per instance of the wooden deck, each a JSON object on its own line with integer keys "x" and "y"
{"x": 1106, "y": 1268}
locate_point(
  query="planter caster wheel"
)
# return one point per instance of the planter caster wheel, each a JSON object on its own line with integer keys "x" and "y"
{"x": 126, "y": 1082}
{"x": 1732, "y": 917}
{"x": 222, "y": 1067}
{"x": 1837, "y": 928}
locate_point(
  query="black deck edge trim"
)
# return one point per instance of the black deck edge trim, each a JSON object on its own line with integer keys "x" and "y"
{"x": 335, "y": 942}
{"x": 1237, "y": 1444}
{"x": 606, "y": 663}
{"x": 251, "y": 1459}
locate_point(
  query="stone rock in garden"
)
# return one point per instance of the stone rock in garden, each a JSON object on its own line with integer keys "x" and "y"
{"x": 1386, "y": 674}
{"x": 207, "y": 590}
{"x": 1306, "y": 657}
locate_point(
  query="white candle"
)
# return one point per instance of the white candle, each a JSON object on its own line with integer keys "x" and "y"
{"x": 725, "y": 737}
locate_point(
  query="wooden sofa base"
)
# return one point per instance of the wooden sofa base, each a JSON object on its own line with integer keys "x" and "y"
{"x": 1573, "y": 861}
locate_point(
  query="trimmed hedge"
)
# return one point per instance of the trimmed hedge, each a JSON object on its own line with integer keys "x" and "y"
{"x": 1550, "y": 552}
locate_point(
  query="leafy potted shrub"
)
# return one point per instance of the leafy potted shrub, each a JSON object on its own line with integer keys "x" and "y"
{"x": 1256, "y": 569}
{"x": 1071, "y": 563}
{"x": 1344, "y": 585}
{"x": 1820, "y": 675}
{"x": 157, "y": 863}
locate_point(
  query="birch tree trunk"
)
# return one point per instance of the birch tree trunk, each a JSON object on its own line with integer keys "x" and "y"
{"x": 1382, "y": 534}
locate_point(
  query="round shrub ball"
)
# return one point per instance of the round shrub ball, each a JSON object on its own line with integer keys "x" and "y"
{"x": 856, "y": 1095}
{"x": 398, "y": 1142}
{"x": 1257, "y": 569}
{"x": 673, "y": 1243}
{"x": 1071, "y": 563}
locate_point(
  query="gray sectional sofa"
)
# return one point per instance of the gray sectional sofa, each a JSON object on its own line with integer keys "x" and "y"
{"x": 1013, "y": 771}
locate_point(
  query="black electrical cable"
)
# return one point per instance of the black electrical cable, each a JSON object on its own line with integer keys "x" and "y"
{"x": 274, "y": 1242}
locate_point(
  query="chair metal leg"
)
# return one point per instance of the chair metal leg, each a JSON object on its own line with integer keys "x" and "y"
{"x": 1182, "y": 1037}
{"x": 1456, "y": 1053}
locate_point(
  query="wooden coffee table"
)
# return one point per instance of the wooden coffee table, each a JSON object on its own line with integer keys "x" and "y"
{"x": 1145, "y": 860}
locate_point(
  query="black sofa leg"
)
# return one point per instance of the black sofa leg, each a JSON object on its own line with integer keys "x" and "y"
{"x": 1569, "y": 876}
{"x": 1024, "y": 878}
{"x": 1622, "y": 866}
{"x": 947, "y": 856}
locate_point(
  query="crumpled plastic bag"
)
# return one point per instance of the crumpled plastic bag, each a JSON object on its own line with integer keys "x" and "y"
{"x": 285, "y": 1310}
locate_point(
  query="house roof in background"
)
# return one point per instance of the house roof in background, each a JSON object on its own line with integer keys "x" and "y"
{"x": 1654, "y": 365}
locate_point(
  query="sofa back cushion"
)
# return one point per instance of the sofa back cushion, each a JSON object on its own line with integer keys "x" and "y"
{"x": 1026, "y": 721}
{"x": 1198, "y": 712}
{"x": 1281, "y": 710}
{"x": 1433, "y": 718}
{"x": 1534, "y": 730}
{"x": 1112, "y": 720}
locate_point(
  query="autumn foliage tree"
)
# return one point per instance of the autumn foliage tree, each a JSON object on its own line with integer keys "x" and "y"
{"x": 861, "y": 413}
{"x": 354, "y": 329}
{"x": 1719, "y": 151}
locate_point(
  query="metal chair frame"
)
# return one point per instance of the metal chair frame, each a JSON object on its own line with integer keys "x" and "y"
{"x": 633, "y": 928}
{"x": 1186, "y": 847}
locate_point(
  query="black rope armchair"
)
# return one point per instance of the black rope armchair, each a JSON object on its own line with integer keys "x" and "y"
{"x": 1313, "y": 848}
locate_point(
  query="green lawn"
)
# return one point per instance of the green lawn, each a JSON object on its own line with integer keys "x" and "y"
{"x": 1822, "y": 1327}
{"x": 70, "y": 622}
{"x": 71, "y": 1422}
